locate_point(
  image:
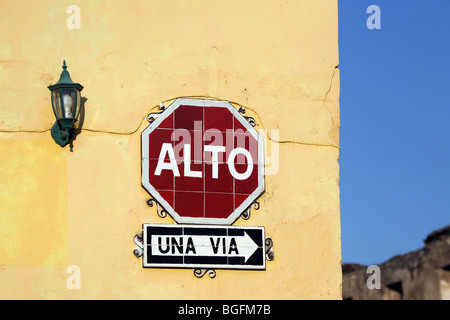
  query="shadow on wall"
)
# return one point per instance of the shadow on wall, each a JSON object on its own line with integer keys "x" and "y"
{"x": 80, "y": 122}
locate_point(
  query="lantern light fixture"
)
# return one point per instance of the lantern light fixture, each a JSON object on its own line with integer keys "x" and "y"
{"x": 66, "y": 103}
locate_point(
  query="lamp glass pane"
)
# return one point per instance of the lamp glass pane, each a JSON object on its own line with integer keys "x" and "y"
{"x": 78, "y": 104}
{"x": 69, "y": 103}
{"x": 56, "y": 103}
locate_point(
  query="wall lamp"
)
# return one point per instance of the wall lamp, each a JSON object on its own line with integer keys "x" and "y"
{"x": 66, "y": 103}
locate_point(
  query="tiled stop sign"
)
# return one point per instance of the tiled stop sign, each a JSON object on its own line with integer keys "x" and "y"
{"x": 202, "y": 161}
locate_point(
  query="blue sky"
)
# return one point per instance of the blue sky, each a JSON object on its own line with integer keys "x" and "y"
{"x": 395, "y": 122}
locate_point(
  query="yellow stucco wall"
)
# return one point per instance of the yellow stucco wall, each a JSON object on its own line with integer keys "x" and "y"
{"x": 82, "y": 207}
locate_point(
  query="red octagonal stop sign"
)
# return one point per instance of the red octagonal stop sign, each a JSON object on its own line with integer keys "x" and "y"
{"x": 202, "y": 161}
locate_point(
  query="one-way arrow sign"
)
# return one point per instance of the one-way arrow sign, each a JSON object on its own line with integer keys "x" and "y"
{"x": 200, "y": 246}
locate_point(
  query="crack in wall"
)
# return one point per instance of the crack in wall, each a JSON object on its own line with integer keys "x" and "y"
{"x": 331, "y": 83}
{"x": 201, "y": 97}
{"x": 334, "y": 131}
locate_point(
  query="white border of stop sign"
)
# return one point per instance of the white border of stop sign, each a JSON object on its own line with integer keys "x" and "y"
{"x": 145, "y": 162}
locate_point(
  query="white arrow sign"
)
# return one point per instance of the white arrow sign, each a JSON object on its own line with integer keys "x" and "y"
{"x": 200, "y": 246}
